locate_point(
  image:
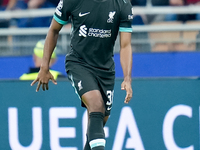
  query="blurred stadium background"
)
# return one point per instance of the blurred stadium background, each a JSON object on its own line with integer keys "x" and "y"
{"x": 154, "y": 38}
{"x": 158, "y": 36}
{"x": 166, "y": 62}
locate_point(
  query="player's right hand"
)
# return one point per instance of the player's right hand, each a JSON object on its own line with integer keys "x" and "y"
{"x": 43, "y": 79}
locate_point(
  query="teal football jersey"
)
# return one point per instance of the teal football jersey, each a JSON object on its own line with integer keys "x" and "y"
{"x": 95, "y": 25}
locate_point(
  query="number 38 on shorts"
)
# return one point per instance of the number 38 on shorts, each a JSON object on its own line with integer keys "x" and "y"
{"x": 110, "y": 95}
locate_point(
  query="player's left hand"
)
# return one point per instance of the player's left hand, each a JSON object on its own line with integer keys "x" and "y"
{"x": 126, "y": 85}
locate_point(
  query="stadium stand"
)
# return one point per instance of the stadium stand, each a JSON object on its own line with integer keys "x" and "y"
{"x": 165, "y": 41}
{"x": 149, "y": 37}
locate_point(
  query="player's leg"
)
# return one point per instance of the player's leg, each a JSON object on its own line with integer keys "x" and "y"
{"x": 87, "y": 146}
{"x": 106, "y": 92}
{"x": 95, "y": 98}
{"x": 96, "y": 108}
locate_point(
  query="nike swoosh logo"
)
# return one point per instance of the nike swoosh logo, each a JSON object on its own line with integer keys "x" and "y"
{"x": 81, "y": 15}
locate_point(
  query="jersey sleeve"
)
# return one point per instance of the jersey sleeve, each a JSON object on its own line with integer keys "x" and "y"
{"x": 126, "y": 17}
{"x": 63, "y": 11}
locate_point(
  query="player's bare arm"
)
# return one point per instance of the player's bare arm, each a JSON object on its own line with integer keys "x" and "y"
{"x": 126, "y": 63}
{"x": 44, "y": 75}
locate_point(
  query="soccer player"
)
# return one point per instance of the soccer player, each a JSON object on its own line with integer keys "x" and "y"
{"x": 89, "y": 64}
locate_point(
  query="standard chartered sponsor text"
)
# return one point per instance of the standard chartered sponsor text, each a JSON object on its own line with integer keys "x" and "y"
{"x": 99, "y": 33}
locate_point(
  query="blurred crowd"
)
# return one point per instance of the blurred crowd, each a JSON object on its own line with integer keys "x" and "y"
{"x": 139, "y": 19}
{"x": 45, "y": 21}
{"x": 26, "y": 4}
{"x": 168, "y": 17}
{"x": 178, "y": 17}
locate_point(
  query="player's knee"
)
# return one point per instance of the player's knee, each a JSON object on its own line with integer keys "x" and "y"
{"x": 93, "y": 101}
{"x": 97, "y": 106}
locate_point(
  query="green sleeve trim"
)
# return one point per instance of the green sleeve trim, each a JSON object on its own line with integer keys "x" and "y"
{"x": 59, "y": 20}
{"x": 122, "y": 29}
